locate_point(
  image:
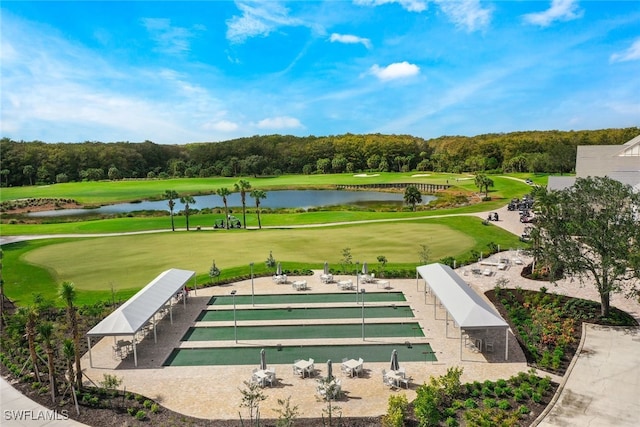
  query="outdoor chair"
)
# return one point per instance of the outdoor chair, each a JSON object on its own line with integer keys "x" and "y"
{"x": 360, "y": 367}
{"x": 488, "y": 345}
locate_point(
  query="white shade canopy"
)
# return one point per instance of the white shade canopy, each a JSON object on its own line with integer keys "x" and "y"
{"x": 467, "y": 308}
{"x": 131, "y": 316}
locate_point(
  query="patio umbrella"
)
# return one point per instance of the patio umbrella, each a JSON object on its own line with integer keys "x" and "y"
{"x": 263, "y": 360}
{"x": 326, "y": 268}
{"x": 365, "y": 268}
{"x": 394, "y": 361}
{"x": 329, "y": 370}
{"x": 279, "y": 270}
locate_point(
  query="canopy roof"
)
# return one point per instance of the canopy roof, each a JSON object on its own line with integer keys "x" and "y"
{"x": 467, "y": 308}
{"x": 131, "y": 316}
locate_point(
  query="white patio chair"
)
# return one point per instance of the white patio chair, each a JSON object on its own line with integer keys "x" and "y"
{"x": 360, "y": 368}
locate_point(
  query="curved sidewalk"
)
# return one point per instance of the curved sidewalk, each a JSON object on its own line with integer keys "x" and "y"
{"x": 602, "y": 386}
{"x": 18, "y": 410}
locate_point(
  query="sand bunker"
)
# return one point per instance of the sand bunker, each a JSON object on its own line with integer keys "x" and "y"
{"x": 365, "y": 175}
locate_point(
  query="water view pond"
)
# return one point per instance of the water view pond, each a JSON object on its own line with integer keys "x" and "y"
{"x": 303, "y": 199}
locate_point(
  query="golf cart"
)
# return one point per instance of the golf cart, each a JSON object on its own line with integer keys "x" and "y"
{"x": 233, "y": 222}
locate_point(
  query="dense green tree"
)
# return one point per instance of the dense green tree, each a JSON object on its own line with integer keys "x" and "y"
{"x": 29, "y": 171}
{"x": 187, "y": 201}
{"x": 590, "y": 231}
{"x": 323, "y": 165}
{"x": 258, "y": 195}
{"x": 483, "y": 182}
{"x": 242, "y": 186}
{"x": 412, "y": 197}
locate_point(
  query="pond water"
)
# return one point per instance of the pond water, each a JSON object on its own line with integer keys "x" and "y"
{"x": 303, "y": 199}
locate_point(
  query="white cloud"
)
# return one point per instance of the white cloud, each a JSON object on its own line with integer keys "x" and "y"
{"x": 468, "y": 14}
{"x": 350, "y": 39}
{"x": 410, "y": 5}
{"x": 221, "y": 126}
{"x": 282, "y": 122}
{"x": 398, "y": 70}
{"x": 630, "y": 54}
{"x": 258, "y": 19}
{"x": 560, "y": 10}
{"x": 169, "y": 39}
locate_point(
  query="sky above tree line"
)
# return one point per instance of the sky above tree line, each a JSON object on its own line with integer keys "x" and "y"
{"x": 178, "y": 72}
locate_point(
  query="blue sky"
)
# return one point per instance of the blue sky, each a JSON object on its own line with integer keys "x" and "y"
{"x": 178, "y": 72}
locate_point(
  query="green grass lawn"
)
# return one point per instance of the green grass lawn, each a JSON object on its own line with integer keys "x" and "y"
{"x": 107, "y": 267}
{"x": 124, "y": 264}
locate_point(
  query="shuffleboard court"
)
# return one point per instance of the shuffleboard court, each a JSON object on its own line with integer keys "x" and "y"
{"x": 306, "y": 298}
{"x": 289, "y": 332}
{"x": 288, "y": 313}
{"x": 371, "y": 353}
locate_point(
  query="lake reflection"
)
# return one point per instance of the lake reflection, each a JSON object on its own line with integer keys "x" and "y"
{"x": 303, "y": 199}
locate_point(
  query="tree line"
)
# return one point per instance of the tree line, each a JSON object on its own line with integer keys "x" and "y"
{"x": 36, "y": 162}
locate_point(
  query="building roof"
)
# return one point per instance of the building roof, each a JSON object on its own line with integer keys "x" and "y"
{"x": 131, "y": 316}
{"x": 467, "y": 308}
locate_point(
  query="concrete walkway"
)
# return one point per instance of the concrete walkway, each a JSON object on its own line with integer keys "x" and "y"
{"x": 18, "y": 410}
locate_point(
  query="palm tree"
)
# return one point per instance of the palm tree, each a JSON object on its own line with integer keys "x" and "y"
{"x": 45, "y": 330}
{"x": 258, "y": 194}
{"x": 186, "y": 201}
{"x": 171, "y": 195}
{"x": 31, "y": 315}
{"x": 412, "y": 196}
{"x": 483, "y": 181}
{"x": 69, "y": 352}
{"x": 242, "y": 186}
{"x": 224, "y": 192}
{"x": 67, "y": 292}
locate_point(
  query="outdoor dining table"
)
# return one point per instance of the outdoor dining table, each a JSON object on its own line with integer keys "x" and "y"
{"x": 383, "y": 283}
{"x": 262, "y": 376}
{"x": 303, "y": 366}
{"x": 345, "y": 284}
{"x": 299, "y": 285}
{"x": 326, "y": 278}
{"x": 398, "y": 378}
{"x": 351, "y": 365}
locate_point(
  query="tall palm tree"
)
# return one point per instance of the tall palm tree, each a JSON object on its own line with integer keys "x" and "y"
{"x": 31, "y": 316}
{"x": 242, "y": 186}
{"x": 67, "y": 292}
{"x": 186, "y": 201}
{"x": 171, "y": 195}
{"x": 224, "y": 192}
{"x": 45, "y": 330}
{"x": 412, "y": 196}
{"x": 257, "y": 195}
{"x": 483, "y": 182}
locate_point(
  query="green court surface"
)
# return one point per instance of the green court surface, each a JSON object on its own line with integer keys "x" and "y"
{"x": 288, "y": 313}
{"x": 407, "y": 352}
{"x": 307, "y": 298}
{"x": 289, "y": 332}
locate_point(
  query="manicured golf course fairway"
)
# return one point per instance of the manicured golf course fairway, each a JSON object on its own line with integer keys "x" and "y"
{"x": 288, "y": 354}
